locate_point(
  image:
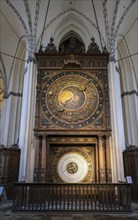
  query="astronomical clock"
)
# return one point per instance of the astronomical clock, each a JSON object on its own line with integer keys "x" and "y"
{"x": 71, "y": 99}
{"x": 72, "y": 119}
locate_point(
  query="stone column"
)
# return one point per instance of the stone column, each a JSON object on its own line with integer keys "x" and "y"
{"x": 129, "y": 85}
{"x": 102, "y": 176}
{"x": 11, "y": 107}
{"x": 130, "y": 111}
{"x": 26, "y": 137}
{"x": 117, "y": 139}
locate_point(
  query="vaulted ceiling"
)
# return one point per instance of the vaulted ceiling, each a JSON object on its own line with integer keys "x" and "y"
{"x": 25, "y": 24}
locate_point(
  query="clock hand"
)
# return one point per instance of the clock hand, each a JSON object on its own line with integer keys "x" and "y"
{"x": 68, "y": 101}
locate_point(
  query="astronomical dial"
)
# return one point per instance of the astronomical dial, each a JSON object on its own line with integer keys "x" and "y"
{"x": 72, "y": 99}
{"x": 72, "y": 164}
{"x": 72, "y": 168}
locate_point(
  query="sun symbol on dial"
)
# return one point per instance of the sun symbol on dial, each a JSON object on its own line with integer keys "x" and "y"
{"x": 71, "y": 98}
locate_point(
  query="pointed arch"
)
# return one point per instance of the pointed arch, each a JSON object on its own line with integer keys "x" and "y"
{"x": 128, "y": 93}
{"x": 126, "y": 65}
{"x": 80, "y": 23}
{"x": 69, "y": 35}
{"x": 71, "y": 22}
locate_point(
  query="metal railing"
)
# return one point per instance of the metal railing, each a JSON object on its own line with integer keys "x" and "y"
{"x": 72, "y": 197}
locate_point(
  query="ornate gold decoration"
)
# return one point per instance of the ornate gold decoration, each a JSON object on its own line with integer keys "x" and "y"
{"x": 82, "y": 87}
{"x": 71, "y": 60}
{"x": 50, "y": 93}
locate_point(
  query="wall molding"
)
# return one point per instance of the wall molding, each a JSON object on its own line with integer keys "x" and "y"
{"x": 129, "y": 93}
{"x": 16, "y": 94}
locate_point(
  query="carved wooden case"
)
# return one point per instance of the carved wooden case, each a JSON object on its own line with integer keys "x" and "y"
{"x": 72, "y": 92}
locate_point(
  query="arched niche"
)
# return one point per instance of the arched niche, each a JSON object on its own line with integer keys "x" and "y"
{"x": 69, "y": 35}
{"x": 71, "y": 43}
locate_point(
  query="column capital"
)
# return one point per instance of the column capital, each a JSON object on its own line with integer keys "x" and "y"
{"x": 107, "y": 135}
{"x": 38, "y": 133}
{"x": 100, "y": 136}
{"x": 44, "y": 137}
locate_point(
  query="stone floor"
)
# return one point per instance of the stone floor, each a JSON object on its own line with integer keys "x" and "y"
{"x": 7, "y": 214}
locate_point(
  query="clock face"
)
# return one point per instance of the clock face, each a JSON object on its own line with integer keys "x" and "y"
{"x": 72, "y": 99}
{"x": 72, "y": 168}
{"x": 72, "y": 164}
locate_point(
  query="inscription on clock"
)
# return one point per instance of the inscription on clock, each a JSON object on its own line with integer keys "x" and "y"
{"x": 72, "y": 99}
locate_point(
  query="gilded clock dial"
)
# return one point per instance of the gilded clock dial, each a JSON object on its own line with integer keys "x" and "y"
{"x": 72, "y": 164}
{"x": 72, "y": 168}
{"x": 72, "y": 99}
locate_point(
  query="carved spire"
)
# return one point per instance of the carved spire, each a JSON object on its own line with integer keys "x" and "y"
{"x": 51, "y": 48}
{"x": 93, "y": 47}
{"x": 40, "y": 49}
{"x": 105, "y": 50}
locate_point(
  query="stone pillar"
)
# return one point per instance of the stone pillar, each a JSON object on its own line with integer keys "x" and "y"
{"x": 102, "y": 176}
{"x": 5, "y": 121}
{"x": 117, "y": 139}
{"x": 130, "y": 111}
{"x": 12, "y": 102}
{"x": 11, "y": 111}
{"x": 129, "y": 85}
{"x": 108, "y": 161}
{"x": 26, "y": 137}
